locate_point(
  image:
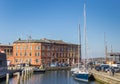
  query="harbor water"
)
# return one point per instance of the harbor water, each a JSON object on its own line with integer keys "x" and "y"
{"x": 49, "y": 77}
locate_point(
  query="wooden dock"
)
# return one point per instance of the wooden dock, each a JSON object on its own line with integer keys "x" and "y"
{"x": 10, "y": 72}
{"x": 106, "y": 78}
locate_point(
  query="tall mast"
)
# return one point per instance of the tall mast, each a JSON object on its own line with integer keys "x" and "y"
{"x": 85, "y": 31}
{"x": 79, "y": 45}
{"x": 105, "y": 43}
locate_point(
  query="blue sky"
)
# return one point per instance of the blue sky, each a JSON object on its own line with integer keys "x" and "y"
{"x": 58, "y": 19}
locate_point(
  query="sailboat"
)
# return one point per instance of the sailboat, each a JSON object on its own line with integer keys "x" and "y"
{"x": 82, "y": 74}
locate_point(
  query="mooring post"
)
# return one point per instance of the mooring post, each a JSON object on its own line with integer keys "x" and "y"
{"x": 7, "y": 78}
{"x": 22, "y": 74}
{"x": 18, "y": 77}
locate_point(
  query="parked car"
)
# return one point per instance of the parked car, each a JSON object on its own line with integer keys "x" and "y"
{"x": 98, "y": 68}
{"x": 104, "y": 67}
{"x": 116, "y": 69}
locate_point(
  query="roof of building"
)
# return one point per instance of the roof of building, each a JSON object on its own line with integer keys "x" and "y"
{"x": 6, "y": 45}
{"x": 42, "y": 40}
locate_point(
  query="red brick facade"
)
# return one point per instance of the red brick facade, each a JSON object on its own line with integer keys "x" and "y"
{"x": 43, "y": 51}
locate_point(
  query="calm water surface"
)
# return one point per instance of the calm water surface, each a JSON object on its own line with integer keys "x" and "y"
{"x": 49, "y": 77}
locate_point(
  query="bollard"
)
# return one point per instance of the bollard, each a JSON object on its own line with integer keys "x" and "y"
{"x": 7, "y": 78}
{"x": 25, "y": 76}
{"x": 22, "y": 75}
{"x": 18, "y": 77}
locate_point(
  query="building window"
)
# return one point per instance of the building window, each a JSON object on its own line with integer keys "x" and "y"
{"x": 43, "y": 61}
{"x": 37, "y": 60}
{"x": 26, "y": 60}
{"x": 57, "y": 49}
{"x": 30, "y": 54}
{"x": 20, "y": 54}
{"x": 16, "y": 54}
{"x": 16, "y": 47}
{"x": 7, "y": 50}
{"x": 37, "y": 48}
{"x": 25, "y": 47}
{"x": 73, "y": 49}
{"x": 20, "y": 47}
{"x": 43, "y": 47}
{"x": 48, "y": 53}
{"x": 35, "y": 54}
{"x": 43, "y": 54}
{"x": 38, "y": 54}
{"x": 0, "y": 62}
{"x": 53, "y": 48}
{"x": 30, "y": 47}
{"x": 56, "y": 54}
{"x": 10, "y": 50}
{"x": 16, "y": 60}
{"x": 20, "y": 60}
{"x": 25, "y": 54}
{"x": 48, "y": 47}
{"x": 30, "y": 60}
{"x": 60, "y": 54}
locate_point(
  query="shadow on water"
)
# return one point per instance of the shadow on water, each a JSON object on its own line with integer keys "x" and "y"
{"x": 49, "y": 77}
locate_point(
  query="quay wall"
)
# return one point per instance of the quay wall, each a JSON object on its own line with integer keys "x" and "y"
{"x": 57, "y": 68}
{"x": 105, "y": 79}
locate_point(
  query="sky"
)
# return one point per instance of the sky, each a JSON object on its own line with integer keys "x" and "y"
{"x": 59, "y": 19}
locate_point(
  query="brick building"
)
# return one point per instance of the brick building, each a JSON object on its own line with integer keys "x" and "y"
{"x": 43, "y": 51}
{"x": 8, "y": 49}
{"x": 3, "y": 61}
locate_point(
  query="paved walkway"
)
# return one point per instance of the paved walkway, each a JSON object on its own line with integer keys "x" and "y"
{"x": 106, "y": 76}
{"x": 116, "y": 75}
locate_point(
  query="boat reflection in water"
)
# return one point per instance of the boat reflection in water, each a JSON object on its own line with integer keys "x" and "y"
{"x": 49, "y": 77}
